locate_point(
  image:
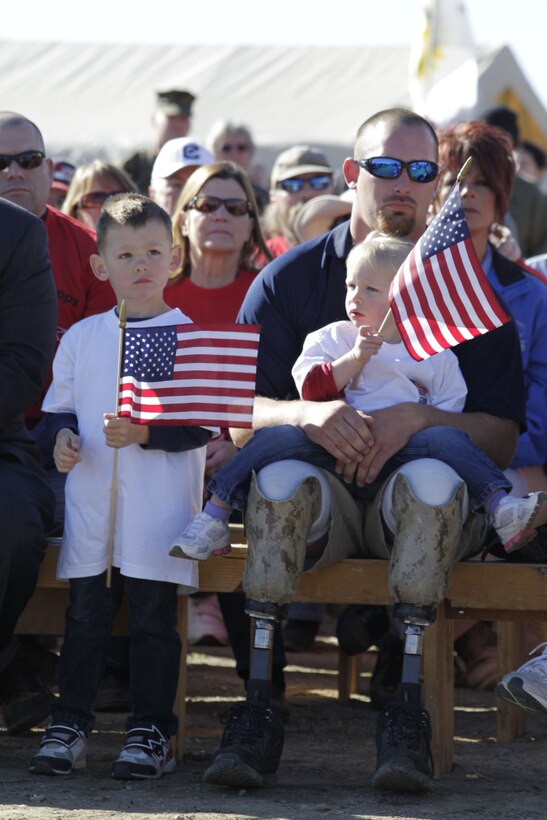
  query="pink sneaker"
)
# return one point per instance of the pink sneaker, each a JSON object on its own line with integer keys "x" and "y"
{"x": 514, "y": 519}
{"x": 204, "y": 536}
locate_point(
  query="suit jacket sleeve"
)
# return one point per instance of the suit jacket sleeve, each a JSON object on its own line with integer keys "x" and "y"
{"x": 28, "y": 311}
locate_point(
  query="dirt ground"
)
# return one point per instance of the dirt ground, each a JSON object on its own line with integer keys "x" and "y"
{"x": 326, "y": 768}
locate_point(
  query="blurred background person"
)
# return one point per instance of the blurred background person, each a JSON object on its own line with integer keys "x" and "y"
{"x": 176, "y": 161}
{"x": 299, "y": 174}
{"x": 531, "y": 162}
{"x": 60, "y": 181}
{"x": 171, "y": 119}
{"x": 228, "y": 140}
{"x": 527, "y": 204}
{"x": 91, "y": 186}
{"x": 321, "y": 214}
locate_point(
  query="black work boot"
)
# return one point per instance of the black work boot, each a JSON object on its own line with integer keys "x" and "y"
{"x": 26, "y": 700}
{"x": 250, "y": 748}
{"x": 403, "y": 746}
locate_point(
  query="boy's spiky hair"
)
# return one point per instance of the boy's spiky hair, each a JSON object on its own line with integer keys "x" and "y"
{"x": 132, "y": 210}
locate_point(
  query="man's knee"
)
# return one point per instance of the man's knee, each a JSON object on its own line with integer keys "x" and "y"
{"x": 280, "y": 481}
{"x": 431, "y": 481}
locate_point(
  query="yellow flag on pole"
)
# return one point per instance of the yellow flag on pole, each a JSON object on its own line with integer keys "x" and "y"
{"x": 443, "y": 72}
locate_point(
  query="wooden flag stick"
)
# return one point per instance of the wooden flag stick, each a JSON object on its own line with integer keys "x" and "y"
{"x": 464, "y": 169}
{"x": 384, "y": 322}
{"x": 114, "y": 488}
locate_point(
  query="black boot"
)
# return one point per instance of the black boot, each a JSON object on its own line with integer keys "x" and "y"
{"x": 403, "y": 746}
{"x": 26, "y": 700}
{"x": 250, "y": 748}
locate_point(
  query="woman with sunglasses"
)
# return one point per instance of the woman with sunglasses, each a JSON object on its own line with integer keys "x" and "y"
{"x": 217, "y": 224}
{"x": 91, "y": 186}
{"x": 485, "y": 193}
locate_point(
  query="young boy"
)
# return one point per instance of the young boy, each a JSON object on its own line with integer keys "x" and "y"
{"x": 158, "y": 488}
{"x": 351, "y": 360}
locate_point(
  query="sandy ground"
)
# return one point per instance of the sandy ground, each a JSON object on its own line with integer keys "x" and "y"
{"x": 326, "y": 769}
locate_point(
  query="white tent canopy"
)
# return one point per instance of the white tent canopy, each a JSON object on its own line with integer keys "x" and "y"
{"x": 96, "y": 100}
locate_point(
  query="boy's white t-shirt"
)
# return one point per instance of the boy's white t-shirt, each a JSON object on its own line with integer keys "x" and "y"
{"x": 157, "y": 492}
{"x": 390, "y": 377}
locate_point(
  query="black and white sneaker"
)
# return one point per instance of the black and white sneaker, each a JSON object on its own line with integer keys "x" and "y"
{"x": 146, "y": 754}
{"x": 63, "y": 748}
{"x": 403, "y": 744}
{"x": 250, "y": 748}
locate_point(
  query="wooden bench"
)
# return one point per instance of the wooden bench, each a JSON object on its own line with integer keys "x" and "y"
{"x": 496, "y": 591}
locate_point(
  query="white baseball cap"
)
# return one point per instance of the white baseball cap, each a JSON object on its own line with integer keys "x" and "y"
{"x": 179, "y": 153}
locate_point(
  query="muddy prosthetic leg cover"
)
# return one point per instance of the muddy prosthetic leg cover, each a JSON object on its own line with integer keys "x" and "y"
{"x": 425, "y": 545}
{"x": 276, "y": 536}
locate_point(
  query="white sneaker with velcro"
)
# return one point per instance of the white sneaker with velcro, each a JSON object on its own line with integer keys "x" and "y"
{"x": 63, "y": 748}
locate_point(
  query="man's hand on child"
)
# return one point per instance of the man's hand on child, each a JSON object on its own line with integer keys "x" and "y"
{"x": 120, "y": 432}
{"x": 66, "y": 453}
{"x": 367, "y": 344}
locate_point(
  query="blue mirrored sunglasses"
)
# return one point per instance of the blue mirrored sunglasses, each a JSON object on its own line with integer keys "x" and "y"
{"x": 294, "y": 185}
{"x": 418, "y": 170}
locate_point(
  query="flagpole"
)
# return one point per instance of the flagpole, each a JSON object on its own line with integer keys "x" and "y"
{"x": 114, "y": 488}
{"x": 464, "y": 169}
{"x": 385, "y": 320}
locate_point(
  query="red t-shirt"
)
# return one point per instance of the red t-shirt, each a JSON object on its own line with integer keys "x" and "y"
{"x": 209, "y": 305}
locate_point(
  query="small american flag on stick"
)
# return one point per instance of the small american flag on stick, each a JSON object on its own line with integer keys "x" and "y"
{"x": 440, "y": 295}
{"x": 189, "y": 374}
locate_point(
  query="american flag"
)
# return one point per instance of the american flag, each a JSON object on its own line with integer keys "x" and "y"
{"x": 189, "y": 375}
{"x": 440, "y": 296}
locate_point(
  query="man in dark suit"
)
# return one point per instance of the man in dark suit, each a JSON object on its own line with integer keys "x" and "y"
{"x": 28, "y": 322}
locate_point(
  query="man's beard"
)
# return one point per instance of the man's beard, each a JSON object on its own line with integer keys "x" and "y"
{"x": 396, "y": 224}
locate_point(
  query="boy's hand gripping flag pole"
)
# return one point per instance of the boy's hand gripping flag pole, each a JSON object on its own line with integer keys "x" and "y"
{"x": 440, "y": 295}
{"x": 114, "y": 488}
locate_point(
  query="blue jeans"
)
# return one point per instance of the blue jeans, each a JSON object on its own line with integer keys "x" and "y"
{"x": 154, "y": 653}
{"x": 271, "y": 444}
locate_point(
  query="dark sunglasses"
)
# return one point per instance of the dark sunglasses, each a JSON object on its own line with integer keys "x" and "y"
{"x": 418, "y": 170}
{"x": 294, "y": 185}
{"x": 209, "y": 204}
{"x": 240, "y": 147}
{"x": 96, "y": 199}
{"x": 25, "y": 160}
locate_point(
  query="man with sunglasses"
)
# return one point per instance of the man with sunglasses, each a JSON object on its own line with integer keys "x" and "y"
{"x": 299, "y": 174}
{"x": 423, "y": 520}
{"x": 25, "y": 180}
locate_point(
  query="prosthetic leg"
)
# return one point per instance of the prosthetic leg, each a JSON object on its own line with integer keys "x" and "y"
{"x": 422, "y": 556}
{"x": 425, "y": 505}
{"x": 277, "y": 533}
